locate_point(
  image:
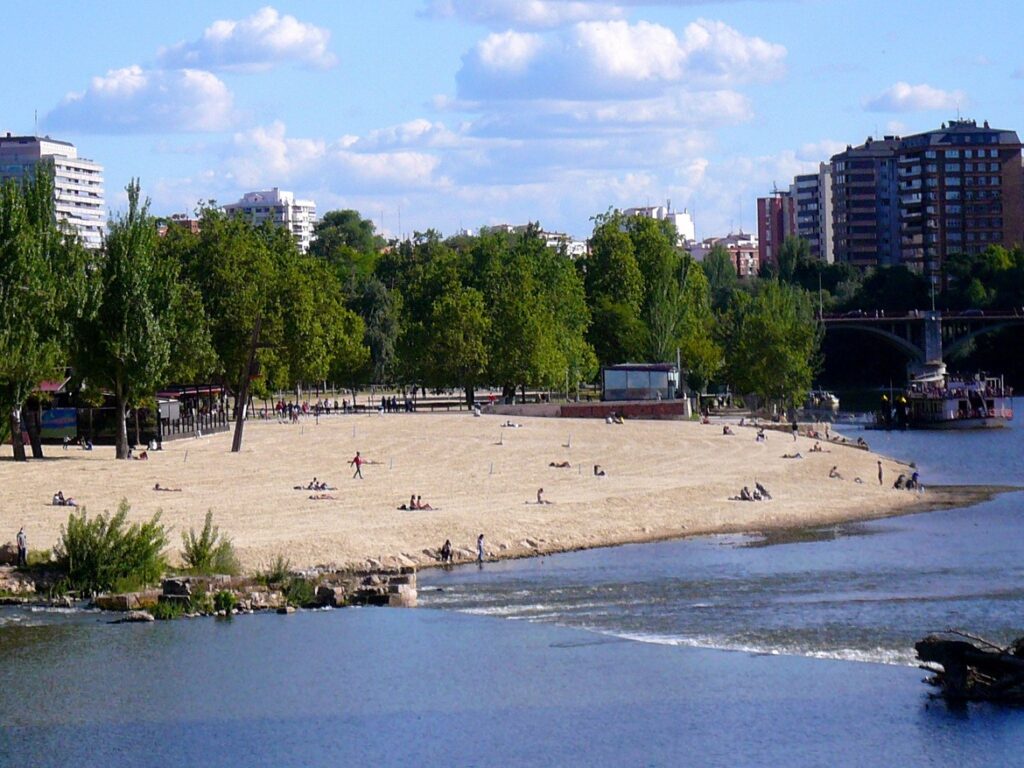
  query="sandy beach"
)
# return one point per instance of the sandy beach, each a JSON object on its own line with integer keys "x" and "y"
{"x": 663, "y": 479}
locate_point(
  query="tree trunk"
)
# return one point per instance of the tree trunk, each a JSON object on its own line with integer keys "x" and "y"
{"x": 243, "y": 394}
{"x": 470, "y": 396}
{"x": 121, "y": 441}
{"x": 32, "y": 424}
{"x": 16, "y": 442}
{"x": 138, "y": 431}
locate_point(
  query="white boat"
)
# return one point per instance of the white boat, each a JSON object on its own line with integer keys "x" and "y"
{"x": 940, "y": 401}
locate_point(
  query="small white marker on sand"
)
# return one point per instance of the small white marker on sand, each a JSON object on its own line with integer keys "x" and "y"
{"x": 186, "y": 456}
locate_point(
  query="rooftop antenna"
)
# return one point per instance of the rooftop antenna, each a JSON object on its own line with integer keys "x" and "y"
{"x": 35, "y": 123}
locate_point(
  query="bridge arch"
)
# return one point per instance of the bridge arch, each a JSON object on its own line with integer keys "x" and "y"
{"x": 913, "y": 352}
{"x": 957, "y": 344}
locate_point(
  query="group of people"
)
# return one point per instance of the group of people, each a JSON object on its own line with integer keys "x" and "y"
{"x": 447, "y": 553}
{"x": 315, "y": 485}
{"x": 760, "y": 493}
{"x": 415, "y": 502}
{"x": 614, "y": 418}
{"x": 904, "y": 483}
{"x": 85, "y": 443}
{"x": 60, "y": 500}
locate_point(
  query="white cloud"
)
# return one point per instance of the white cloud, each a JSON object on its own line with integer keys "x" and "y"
{"x": 508, "y": 51}
{"x": 137, "y": 100}
{"x": 257, "y": 42}
{"x": 265, "y": 156}
{"x": 601, "y": 59}
{"x": 523, "y": 13}
{"x": 904, "y": 97}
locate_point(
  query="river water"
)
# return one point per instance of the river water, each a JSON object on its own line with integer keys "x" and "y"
{"x": 725, "y": 650}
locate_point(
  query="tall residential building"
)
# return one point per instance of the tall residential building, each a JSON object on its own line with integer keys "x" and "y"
{"x": 681, "y": 220}
{"x": 776, "y": 220}
{"x": 812, "y": 193}
{"x": 282, "y": 209}
{"x": 865, "y": 204}
{"x": 77, "y": 182}
{"x": 961, "y": 190}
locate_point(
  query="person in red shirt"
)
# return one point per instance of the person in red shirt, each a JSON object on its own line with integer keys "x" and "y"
{"x": 357, "y": 462}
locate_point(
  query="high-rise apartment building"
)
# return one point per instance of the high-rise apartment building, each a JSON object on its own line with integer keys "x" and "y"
{"x": 282, "y": 209}
{"x": 681, "y": 220}
{"x": 776, "y": 220}
{"x": 812, "y": 195}
{"x": 865, "y": 204}
{"x": 961, "y": 190}
{"x": 77, "y": 182}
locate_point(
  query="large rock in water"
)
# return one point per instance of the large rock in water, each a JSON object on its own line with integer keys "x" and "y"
{"x": 331, "y": 596}
{"x": 138, "y": 616}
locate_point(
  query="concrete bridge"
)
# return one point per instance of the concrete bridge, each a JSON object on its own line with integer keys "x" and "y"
{"x": 925, "y": 336}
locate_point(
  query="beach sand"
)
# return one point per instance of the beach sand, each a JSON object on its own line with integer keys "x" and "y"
{"x": 664, "y": 479}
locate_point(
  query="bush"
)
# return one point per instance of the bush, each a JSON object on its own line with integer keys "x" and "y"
{"x": 106, "y": 553}
{"x": 168, "y": 609}
{"x": 299, "y": 592}
{"x": 209, "y": 552}
{"x": 224, "y": 600}
{"x": 278, "y": 570}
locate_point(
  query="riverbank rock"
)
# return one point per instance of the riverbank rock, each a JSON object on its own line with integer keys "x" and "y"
{"x": 331, "y": 596}
{"x": 138, "y": 616}
{"x": 9, "y": 554}
{"x": 16, "y": 582}
{"x": 128, "y": 601}
{"x": 285, "y": 609}
{"x": 177, "y": 587}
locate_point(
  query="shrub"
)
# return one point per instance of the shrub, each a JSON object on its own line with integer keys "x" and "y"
{"x": 278, "y": 571}
{"x": 107, "y": 553}
{"x": 299, "y": 592}
{"x": 210, "y": 551}
{"x": 224, "y": 600}
{"x": 168, "y": 609}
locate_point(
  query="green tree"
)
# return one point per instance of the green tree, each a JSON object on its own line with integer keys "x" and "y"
{"x": 456, "y": 333}
{"x": 126, "y": 341}
{"x": 615, "y": 291}
{"x": 794, "y": 254}
{"x": 42, "y": 287}
{"x": 722, "y": 278}
{"x": 771, "y": 341}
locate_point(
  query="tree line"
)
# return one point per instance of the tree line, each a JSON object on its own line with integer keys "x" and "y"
{"x": 242, "y": 306}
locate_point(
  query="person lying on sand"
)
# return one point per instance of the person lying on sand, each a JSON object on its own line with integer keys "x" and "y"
{"x": 320, "y": 496}
{"x": 420, "y": 504}
{"x": 816, "y": 448}
{"x": 796, "y": 455}
{"x": 540, "y": 497}
{"x": 511, "y": 425}
{"x": 159, "y": 487}
{"x": 560, "y": 464}
{"x": 834, "y": 473}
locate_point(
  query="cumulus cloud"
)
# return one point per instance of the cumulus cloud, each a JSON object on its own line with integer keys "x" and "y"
{"x": 267, "y": 156}
{"x": 904, "y": 97}
{"x": 257, "y": 42}
{"x": 599, "y": 59}
{"x": 137, "y": 100}
{"x": 522, "y": 13}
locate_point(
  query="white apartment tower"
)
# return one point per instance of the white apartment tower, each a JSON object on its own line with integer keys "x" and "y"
{"x": 77, "y": 182}
{"x": 681, "y": 220}
{"x": 282, "y": 209}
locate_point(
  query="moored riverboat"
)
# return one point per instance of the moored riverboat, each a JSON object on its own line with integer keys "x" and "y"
{"x": 941, "y": 401}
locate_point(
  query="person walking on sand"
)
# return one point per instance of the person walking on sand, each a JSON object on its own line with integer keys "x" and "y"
{"x": 22, "y": 548}
{"x": 357, "y": 462}
{"x": 879, "y": 472}
{"x": 480, "y": 549}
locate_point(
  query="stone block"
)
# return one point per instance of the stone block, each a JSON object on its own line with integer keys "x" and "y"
{"x": 177, "y": 586}
{"x": 332, "y": 596}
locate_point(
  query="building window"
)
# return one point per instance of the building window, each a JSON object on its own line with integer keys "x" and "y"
{"x": 952, "y": 153}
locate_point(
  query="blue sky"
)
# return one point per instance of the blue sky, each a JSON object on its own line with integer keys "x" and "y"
{"x": 461, "y": 113}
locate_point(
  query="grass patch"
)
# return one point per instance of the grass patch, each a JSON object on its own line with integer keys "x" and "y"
{"x": 224, "y": 600}
{"x": 299, "y": 592}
